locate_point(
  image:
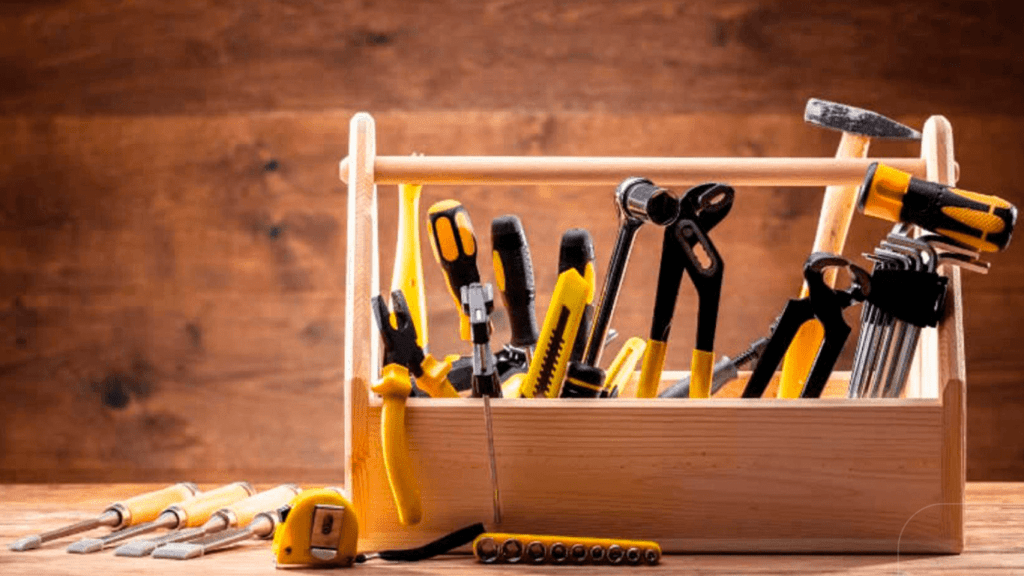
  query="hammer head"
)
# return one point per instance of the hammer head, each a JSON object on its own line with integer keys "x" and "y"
{"x": 856, "y": 121}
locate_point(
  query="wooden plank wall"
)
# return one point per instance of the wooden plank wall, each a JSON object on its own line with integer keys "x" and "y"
{"x": 172, "y": 225}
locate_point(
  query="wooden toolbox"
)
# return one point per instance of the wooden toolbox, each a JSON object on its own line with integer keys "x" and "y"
{"x": 717, "y": 475}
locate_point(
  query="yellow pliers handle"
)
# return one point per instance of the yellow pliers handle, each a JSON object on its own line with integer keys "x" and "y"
{"x": 434, "y": 380}
{"x": 395, "y": 387}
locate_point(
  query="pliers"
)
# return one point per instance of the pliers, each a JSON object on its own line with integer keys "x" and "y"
{"x": 827, "y": 305}
{"x": 403, "y": 358}
{"x": 400, "y": 348}
{"x": 700, "y": 209}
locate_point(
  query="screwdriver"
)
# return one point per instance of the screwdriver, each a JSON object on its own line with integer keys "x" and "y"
{"x": 137, "y": 509}
{"x": 513, "y": 273}
{"x": 726, "y": 370}
{"x": 454, "y": 245}
{"x": 982, "y": 222}
{"x": 407, "y": 274}
{"x": 232, "y": 516}
{"x": 185, "y": 514}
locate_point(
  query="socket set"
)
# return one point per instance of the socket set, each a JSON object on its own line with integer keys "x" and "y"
{"x": 494, "y": 548}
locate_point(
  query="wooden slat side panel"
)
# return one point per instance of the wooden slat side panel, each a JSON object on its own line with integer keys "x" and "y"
{"x": 695, "y": 476}
{"x": 199, "y": 56}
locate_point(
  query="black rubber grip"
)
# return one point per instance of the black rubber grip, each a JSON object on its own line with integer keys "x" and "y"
{"x": 517, "y": 291}
{"x": 576, "y": 251}
{"x": 582, "y": 381}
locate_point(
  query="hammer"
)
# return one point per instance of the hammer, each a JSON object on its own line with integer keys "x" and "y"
{"x": 858, "y": 126}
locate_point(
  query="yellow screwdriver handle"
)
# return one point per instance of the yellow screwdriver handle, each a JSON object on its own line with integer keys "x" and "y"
{"x": 146, "y": 507}
{"x": 623, "y": 365}
{"x": 395, "y": 387}
{"x": 982, "y": 222}
{"x": 241, "y": 513}
{"x": 454, "y": 245}
{"x": 407, "y": 274}
{"x": 196, "y": 511}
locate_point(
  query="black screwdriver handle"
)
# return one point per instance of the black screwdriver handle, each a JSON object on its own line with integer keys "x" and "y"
{"x": 513, "y": 273}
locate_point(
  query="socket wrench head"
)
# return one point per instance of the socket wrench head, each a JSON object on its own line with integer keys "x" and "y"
{"x": 640, "y": 199}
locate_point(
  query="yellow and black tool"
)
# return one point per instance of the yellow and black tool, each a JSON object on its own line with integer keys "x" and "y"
{"x": 622, "y": 367}
{"x": 135, "y": 510}
{"x": 700, "y": 209}
{"x": 319, "y": 528}
{"x": 979, "y": 221}
{"x": 513, "y": 274}
{"x": 573, "y": 292}
{"x": 500, "y": 548}
{"x": 395, "y": 386}
{"x": 454, "y": 245}
{"x": 407, "y": 274}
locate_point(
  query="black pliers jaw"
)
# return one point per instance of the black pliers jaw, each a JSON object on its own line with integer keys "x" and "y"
{"x": 399, "y": 342}
{"x": 827, "y": 305}
{"x": 700, "y": 209}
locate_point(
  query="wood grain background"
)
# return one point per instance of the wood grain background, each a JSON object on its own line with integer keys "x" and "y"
{"x": 172, "y": 224}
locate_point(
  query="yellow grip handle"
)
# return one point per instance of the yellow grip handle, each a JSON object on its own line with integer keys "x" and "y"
{"x": 454, "y": 245}
{"x": 146, "y": 507}
{"x": 702, "y": 366}
{"x": 243, "y": 511}
{"x": 650, "y": 370}
{"x": 434, "y": 380}
{"x": 196, "y": 511}
{"x": 622, "y": 366}
{"x": 407, "y": 274}
{"x": 395, "y": 387}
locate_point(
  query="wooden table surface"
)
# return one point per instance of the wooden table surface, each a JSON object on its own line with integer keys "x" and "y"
{"x": 994, "y": 516}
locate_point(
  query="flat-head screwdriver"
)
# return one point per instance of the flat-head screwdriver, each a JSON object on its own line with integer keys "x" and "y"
{"x": 186, "y": 514}
{"x": 231, "y": 516}
{"x": 513, "y": 274}
{"x": 135, "y": 510}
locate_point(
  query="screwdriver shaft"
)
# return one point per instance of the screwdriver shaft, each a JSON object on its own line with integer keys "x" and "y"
{"x": 494, "y": 466}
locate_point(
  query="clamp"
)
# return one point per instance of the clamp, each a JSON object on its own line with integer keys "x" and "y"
{"x": 701, "y": 208}
{"x": 827, "y": 305}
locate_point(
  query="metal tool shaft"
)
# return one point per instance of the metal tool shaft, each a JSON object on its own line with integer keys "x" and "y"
{"x": 610, "y": 291}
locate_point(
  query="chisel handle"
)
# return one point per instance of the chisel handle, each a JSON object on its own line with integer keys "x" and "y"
{"x": 407, "y": 274}
{"x": 241, "y": 513}
{"x": 454, "y": 245}
{"x": 146, "y": 507}
{"x": 196, "y": 511}
{"x": 982, "y": 222}
{"x": 513, "y": 273}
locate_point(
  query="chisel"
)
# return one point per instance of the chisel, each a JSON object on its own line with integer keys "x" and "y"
{"x": 186, "y": 514}
{"x": 135, "y": 510}
{"x": 232, "y": 516}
